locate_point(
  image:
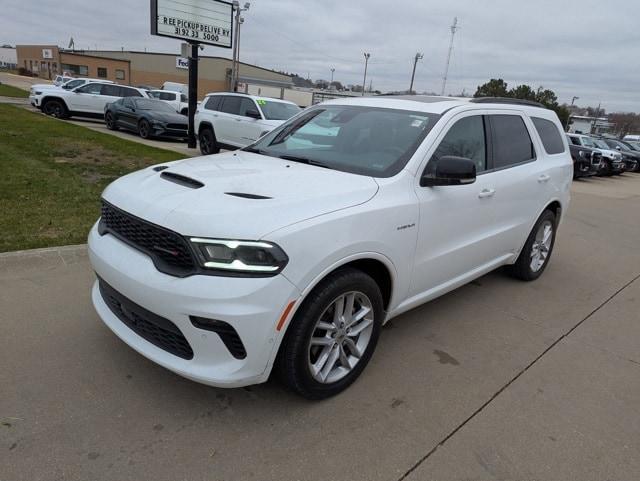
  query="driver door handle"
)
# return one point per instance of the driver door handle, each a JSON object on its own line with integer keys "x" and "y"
{"x": 544, "y": 178}
{"x": 486, "y": 193}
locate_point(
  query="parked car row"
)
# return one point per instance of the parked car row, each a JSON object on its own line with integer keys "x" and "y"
{"x": 594, "y": 155}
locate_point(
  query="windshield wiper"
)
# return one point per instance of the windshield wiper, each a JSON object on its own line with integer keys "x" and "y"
{"x": 303, "y": 160}
{"x": 254, "y": 150}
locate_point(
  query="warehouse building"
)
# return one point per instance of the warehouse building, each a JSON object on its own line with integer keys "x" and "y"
{"x": 142, "y": 68}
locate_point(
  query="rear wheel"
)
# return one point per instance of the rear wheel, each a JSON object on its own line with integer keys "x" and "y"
{"x": 208, "y": 142}
{"x": 332, "y": 336}
{"x": 110, "y": 121}
{"x": 144, "y": 129}
{"x": 55, "y": 108}
{"x": 536, "y": 253}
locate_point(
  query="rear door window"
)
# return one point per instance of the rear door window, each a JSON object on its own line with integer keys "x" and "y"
{"x": 231, "y": 105}
{"x": 466, "y": 138}
{"x": 110, "y": 90}
{"x": 213, "y": 103}
{"x": 549, "y": 134}
{"x": 510, "y": 140}
{"x": 129, "y": 92}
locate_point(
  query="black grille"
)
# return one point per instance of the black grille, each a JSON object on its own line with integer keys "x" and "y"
{"x": 157, "y": 330}
{"x": 169, "y": 251}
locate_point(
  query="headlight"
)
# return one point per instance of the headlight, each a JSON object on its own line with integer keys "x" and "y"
{"x": 158, "y": 123}
{"x": 254, "y": 258}
{"x": 38, "y": 93}
{"x": 580, "y": 153}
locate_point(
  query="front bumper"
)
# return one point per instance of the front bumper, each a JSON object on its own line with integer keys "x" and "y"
{"x": 252, "y": 306}
{"x": 34, "y": 100}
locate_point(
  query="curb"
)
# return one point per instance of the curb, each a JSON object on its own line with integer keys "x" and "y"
{"x": 21, "y": 262}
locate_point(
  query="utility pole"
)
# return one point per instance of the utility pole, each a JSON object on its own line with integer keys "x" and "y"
{"x": 193, "y": 94}
{"x": 454, "y": 27}
{"x": 418, "y": 56}
{"x": 366, "y": 62}
{"x": 574, "y": 99}
{"x": 236, "y": 40}
{"x": 595, "y": 119}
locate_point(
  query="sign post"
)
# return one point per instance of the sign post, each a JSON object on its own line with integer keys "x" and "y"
{"x": 196, "y": 22}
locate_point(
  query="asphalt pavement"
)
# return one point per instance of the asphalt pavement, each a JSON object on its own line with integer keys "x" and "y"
{"x": 498, "y": 380}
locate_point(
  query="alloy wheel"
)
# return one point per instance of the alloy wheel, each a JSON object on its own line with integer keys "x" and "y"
{"x": 340, "y": 337}
{"x": 541, "y": 245}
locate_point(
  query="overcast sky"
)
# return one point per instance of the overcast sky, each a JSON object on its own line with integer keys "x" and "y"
{"x": 585, "y": 48}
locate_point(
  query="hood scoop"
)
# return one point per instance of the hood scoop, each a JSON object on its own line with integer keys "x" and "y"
{"x": 182, "y": 180}
{"x": 248, "y": 196}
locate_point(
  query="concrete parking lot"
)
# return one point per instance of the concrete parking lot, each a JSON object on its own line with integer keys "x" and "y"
{"x": 499, "y": 380}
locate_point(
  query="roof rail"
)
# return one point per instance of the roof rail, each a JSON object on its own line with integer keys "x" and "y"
{"x": 506, "y": 100}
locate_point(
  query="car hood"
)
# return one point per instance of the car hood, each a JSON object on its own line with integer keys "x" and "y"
{"x": 168, "y": 117}
{"x": 614, "y": 154}
{"x": 44, "y": 87}
{"x": 243, "y": 195}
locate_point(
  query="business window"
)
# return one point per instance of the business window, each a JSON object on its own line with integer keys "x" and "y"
{"x": 119, "y": 74}
{"x": 102, "y": 72}
{"x": 80, "y": 70}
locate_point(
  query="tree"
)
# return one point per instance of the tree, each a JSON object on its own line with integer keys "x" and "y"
{"x": 522, "y": 92}
{"x": 322, "y": 84}
{"x": 337, "y": 85}
{"x": 493, "y": 88}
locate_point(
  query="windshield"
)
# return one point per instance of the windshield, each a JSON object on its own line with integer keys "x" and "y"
{"x": 362, "y": 140}
{"x": 71, "y": 84}
{"x": 277, "y": 110}
{"x": 587, "y": 142}
{"x": 157, "y": 105}
{"x": 601, "y": 144}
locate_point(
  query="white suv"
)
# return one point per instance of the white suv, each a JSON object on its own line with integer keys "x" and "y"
{"x": 87, "y": 100}
{"x": 177, "y": 100}
{"x": 293, "y": 252}
{"x": 38, "y": 91}
{"x": 231, "y": 120}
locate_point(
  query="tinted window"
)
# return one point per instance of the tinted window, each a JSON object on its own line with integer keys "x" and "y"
{"x": 111, "y": 90}
{"x": 167, "y": 96}
{"x": 128, "y": 92}
{"x": 90, "y": 89}
{"x": 231, "y": 105}
{"x": 369, "y": 141}
{"x": 184, "y": 98}
{"x": 247, "y": 104}
{"x": 574, "y": 140}
{"x": 465, "y": 139}
{"x": 511, "y": 142}
{"x": 213, "y": 103}
{"x": 551, "y": 138}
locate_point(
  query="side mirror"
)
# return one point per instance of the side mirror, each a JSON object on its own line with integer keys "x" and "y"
{"x": 449, "y": 170}
{"x": 253, "y": 113}
{"x": 618, "y": 147}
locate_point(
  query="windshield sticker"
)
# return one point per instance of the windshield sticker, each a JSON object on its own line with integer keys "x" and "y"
{"x": 261, "y": 102}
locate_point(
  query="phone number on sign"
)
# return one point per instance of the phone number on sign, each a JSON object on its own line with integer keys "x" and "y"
{"x": 186, "y": 32}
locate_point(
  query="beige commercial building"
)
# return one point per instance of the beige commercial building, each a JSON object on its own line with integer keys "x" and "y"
{"x": 142, "y": 68}
{"x": 47, "y": 61}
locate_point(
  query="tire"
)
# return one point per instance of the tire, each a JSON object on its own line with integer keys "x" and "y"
{"x": 299, "y": 362}
{"x": 110, "y": 121}
{"x": 56, "y": 108}
{"x": 207, "y": 140}
{"x": 144, "y": 129}
{"x": 525, "y": 267}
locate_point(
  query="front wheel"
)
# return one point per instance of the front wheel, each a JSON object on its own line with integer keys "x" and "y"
{"x": 536, "y": 253}
{"x": 208, "y": 142}
{"x": 144, "y": 129}
{"x": 55, "y": 108}
{"x": 332, "y": 336}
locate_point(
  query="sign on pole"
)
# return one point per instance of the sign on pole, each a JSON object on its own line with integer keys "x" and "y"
{"x": 198, "y": 21}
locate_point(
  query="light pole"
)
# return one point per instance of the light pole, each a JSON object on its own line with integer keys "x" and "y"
{"x": 418, "y": 56}
{"x": 574, "y": 99}
{"x": 235, "y": 64}
{"x": 366, "y": 63}
{"x": 331, "y": 83}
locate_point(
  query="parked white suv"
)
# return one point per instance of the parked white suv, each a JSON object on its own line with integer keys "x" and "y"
{"x": 87, "y": 100}
{"x": 292, "y": 253}
{"x": 231, "y": 120}
{"x": 178, "y": 100}
{"x": 38, "y": 91}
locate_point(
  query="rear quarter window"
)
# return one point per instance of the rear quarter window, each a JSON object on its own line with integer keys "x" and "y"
{"x": 549, "y": 134}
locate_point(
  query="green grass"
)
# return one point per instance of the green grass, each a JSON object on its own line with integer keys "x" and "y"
{"x": 52, "y": 174}
{"x": 9, "y": 91}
